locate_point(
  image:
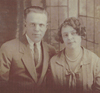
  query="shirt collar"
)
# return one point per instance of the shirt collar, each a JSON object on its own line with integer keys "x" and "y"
{"x": 31, "y": 43}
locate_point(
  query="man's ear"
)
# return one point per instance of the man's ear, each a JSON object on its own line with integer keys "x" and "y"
{"x": 24, "y": 26}
{"x": 24, "y": 23}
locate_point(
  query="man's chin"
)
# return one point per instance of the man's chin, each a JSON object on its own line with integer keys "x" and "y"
{"x": 36, "y": 40}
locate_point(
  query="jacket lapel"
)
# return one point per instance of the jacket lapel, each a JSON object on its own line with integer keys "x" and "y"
{"x": 45, "y": 62}
{"x": 27, "y": 59}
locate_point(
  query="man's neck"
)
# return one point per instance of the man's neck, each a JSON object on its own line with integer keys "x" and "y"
{"x": 30, "y": 41}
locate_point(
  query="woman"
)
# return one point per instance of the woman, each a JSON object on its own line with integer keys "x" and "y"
{"x": 74, "y": 69}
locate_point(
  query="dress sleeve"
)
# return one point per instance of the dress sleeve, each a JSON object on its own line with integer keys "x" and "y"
{"x": 96, "y": 85}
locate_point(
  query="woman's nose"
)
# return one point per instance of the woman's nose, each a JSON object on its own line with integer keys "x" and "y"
{"x": 70, "y": 36}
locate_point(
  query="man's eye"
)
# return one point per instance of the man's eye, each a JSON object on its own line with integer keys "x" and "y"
{"x": 32, "y": 24}
{"x": 41, "y": 25}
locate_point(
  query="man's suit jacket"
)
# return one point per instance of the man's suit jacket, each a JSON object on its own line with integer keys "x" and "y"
{"x": 17, "y": 68}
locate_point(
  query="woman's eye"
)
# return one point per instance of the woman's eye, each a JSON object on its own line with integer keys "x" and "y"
{"x": 73, "y": 33}
{"x": 65, "y": 35}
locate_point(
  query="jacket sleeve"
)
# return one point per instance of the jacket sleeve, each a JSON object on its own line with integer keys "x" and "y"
{"x": 5, "y": 63}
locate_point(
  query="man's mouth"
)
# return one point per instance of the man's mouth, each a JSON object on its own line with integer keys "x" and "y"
{"x": 71, "y": 42}
{"x": 36, "y": 34}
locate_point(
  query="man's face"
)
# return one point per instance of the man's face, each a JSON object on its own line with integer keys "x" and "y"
{"x": 36, "y": 26}
{"x": 71, "y": 39}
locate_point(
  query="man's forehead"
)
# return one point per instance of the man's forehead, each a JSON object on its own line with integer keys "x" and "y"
{"x": 36, "y": 18}
{"x": 35, "y": 15}
{"x": 32, "y": 12}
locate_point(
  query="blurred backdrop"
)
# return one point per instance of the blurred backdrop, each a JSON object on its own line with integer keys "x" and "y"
{"x": 11, "y": 19}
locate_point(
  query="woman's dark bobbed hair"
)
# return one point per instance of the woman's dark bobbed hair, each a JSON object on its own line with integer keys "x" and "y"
{"x": 75, "y": 24}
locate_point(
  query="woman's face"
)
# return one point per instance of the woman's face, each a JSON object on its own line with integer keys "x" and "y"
{"x": 71, "y": 39}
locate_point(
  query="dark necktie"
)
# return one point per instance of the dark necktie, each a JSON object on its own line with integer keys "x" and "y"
{"x": 36, "y": 54}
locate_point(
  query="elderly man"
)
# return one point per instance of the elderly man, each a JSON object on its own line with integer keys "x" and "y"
{"x": 24, "y": 61}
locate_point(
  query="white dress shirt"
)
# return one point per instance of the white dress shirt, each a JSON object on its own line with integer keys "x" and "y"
{"x": 31, "y": 44}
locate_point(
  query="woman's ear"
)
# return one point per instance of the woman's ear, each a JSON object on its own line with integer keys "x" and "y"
{"x": 24, "y": 25}
{"x": 24, "y": 30}
{"x": 47, "y": 25}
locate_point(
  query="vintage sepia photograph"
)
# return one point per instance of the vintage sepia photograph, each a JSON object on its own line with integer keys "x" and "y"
{"x": 49, "y": 46}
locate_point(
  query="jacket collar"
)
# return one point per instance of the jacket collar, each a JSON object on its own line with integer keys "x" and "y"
{"x": 25, "y": 43}
{"x": 28, "y": 61}
{"x": 45, "y": 62}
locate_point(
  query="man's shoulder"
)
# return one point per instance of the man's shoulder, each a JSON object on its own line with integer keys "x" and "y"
{"x": 49, "y": 48}
{"x": 12, "y": 44}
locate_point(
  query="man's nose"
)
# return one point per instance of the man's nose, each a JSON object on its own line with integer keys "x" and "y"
{"x": 37, "y": 27}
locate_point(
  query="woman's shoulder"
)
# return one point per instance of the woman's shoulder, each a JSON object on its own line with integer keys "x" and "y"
{"x": 58, "y": 56}
{"x": 90, "y": 55}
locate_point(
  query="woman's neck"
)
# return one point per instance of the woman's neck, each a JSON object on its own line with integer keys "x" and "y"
{"x": 73, "y": 53}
